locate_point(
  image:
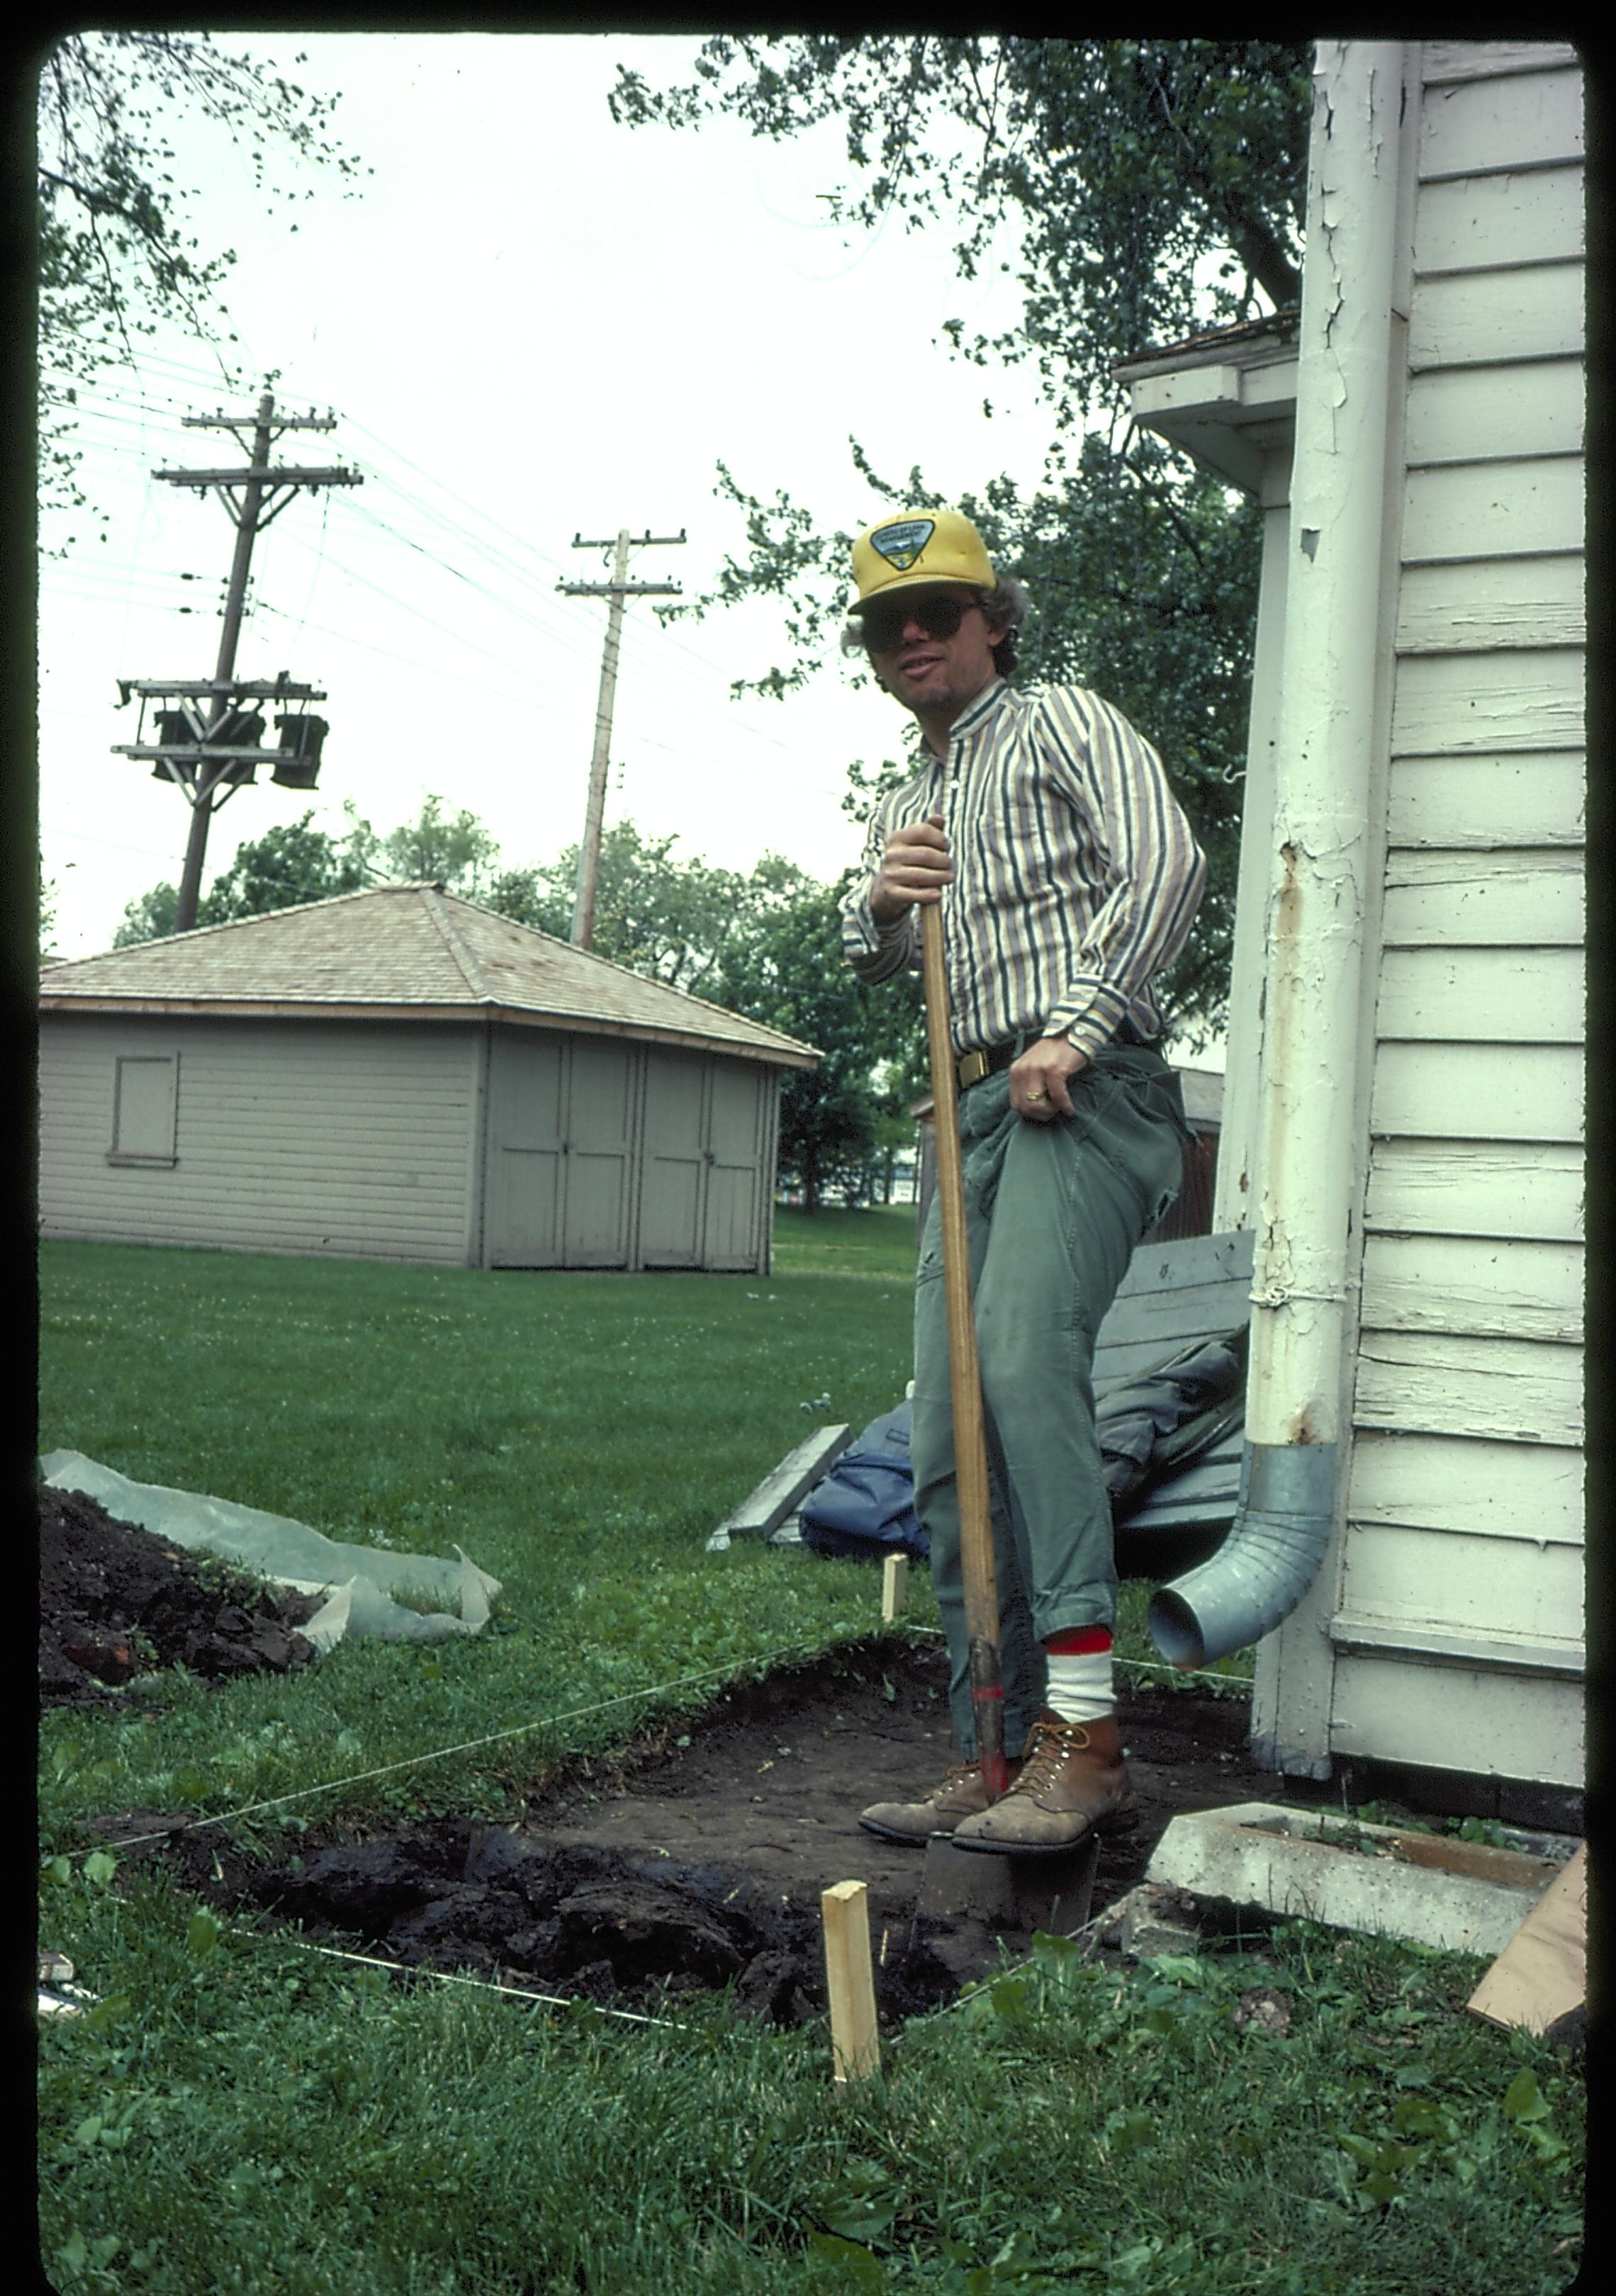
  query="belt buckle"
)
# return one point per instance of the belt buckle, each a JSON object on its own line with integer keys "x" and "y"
{"x": 972, "y": 1067}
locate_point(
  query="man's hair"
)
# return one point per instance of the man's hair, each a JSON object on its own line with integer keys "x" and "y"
{"x": 1006, "y": 602}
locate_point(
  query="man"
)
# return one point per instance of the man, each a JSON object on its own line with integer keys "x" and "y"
{"x": 1067, "y": 877}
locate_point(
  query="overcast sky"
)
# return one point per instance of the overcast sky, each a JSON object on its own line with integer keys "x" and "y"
{"x": 530, "y": 324}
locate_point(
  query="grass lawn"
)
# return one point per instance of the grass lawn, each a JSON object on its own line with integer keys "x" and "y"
{"x": 240, "y": 2114}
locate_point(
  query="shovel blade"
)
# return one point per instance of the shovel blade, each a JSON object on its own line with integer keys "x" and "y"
{"x": 1053, "y": 1893}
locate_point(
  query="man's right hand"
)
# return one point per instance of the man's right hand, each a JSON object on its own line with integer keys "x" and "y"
{"x": 916, "y": 867}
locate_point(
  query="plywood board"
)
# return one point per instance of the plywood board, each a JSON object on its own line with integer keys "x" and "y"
{"x": 1542, "y": 1972}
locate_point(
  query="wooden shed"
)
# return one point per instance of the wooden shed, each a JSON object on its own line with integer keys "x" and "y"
{"x": 400, "y": 1075}
{"x": 1408, "y": 996}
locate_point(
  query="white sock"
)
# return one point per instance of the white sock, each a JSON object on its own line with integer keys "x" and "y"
{"x": 1080, "y": 1686}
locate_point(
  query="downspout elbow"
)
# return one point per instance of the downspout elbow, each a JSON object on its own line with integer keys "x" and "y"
{"x": 1281, "y": 1526}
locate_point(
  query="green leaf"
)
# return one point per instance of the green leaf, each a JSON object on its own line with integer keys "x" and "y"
{"x": 1523, "y": 2099}
{"x": 99, "y": 1868}
{"x": 204, "y": 1933}
{"x": 862, "y": 2270}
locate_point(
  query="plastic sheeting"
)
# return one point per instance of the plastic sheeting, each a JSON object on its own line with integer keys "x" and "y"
{"x": 360, "y": 1582}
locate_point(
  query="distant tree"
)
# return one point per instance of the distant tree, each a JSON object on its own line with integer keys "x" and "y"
{"x": 787, "y": 971}
{"x": 118, "y": 258}
{"x": 669, "y": 918}
{"x": 48, "y": 895}
{"x": 148, "y": 918}
{"x": 459, "y": 853}
{"x": 287, "y": 865}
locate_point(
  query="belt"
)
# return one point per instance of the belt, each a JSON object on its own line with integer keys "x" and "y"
{"x": 972, "y": 1067}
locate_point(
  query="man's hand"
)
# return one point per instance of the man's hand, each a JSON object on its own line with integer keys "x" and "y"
{"x": 1040, "y": 1078}
{"x": 914, "y": 867}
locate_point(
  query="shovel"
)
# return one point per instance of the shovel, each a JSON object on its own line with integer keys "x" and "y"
{"x": 964, "y": 1377}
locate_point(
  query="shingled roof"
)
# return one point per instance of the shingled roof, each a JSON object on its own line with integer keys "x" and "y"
{"x": 406, "y": 953}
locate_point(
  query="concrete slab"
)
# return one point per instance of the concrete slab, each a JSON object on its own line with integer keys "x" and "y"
{"x": 1428, "y": 1888}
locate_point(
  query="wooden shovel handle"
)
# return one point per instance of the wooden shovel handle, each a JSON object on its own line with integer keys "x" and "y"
{"x": 970, "y": 1443}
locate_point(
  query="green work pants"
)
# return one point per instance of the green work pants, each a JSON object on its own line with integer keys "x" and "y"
{"x": 1053, "y": 1212}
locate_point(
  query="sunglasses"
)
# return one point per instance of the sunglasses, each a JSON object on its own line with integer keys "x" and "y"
{"x": 938, "y": 612}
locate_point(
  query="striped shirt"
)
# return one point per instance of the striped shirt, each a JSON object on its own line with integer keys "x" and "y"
{"x": 1076, "y": 875}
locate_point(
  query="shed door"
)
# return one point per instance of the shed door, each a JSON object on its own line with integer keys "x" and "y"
{"x": 526, "y": 1081}
{"x": 734, "y": 1174}
{"x": 599, "y": 1152}
{"x": 670, "y": 1215}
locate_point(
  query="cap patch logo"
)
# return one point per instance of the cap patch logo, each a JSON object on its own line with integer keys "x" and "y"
{"x": 901, "y": 545}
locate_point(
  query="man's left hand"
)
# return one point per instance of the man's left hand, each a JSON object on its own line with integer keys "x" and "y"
{"x": 1040, "y": 1078}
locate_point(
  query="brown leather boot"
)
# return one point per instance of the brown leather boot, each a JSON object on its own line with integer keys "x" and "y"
{"x": 1073, "y": 1783}
{"x": 960, "y": 1795}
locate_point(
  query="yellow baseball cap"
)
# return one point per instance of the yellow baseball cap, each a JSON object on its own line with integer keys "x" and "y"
{"x": 919, "y": 547}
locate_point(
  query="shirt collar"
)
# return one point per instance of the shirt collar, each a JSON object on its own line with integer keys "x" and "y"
{"x": 987, "y": 702}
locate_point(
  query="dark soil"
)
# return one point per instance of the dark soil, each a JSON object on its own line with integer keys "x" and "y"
{"x": 116, "y": 1602}
{"x": 690, "y": 1861}
{"x": 695, "y": 1859}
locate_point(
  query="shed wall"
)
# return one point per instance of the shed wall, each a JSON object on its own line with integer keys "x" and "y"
{"x": 1459, "y": 1624}
{"x": 352, "y": 1140}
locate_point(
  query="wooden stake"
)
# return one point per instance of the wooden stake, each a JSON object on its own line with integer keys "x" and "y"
{"x": 894, "y": 1588}
{"x": 855, "y": 2039}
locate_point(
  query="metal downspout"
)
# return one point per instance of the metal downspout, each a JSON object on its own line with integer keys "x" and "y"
{"x": 1306, "y": 1246}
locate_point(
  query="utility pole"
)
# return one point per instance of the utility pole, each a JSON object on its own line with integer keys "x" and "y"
{"x": 619, "y": 588}
{"x": 210, "y": 746}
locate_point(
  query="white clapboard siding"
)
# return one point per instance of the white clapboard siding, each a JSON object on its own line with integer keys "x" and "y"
{"x": 1446, "y": 1383}
{"x": 1475, "y": 1187}
{"x": 1512, "y": 1587}
{"x": 1486, "y": 1286}
{"x": 1529, "y": 1491}
{"x": 1478, "y": 1092}
{"x": 1449, "y": 60}
{"x": 1477, "y": 606}
{"x": 1451, "y": 1718}
{"x": 1459, "y": 414}
{"x": 1477, "y": 318}
{"x": 1494, "y": 509}
{"x": 1494, "y": 899}
{"x": 321, "y": 1138}
{"x": 1493, "y": 220}
{"x": 1457, "y": 704}
{"x": 1483, "y": 996}
{"x": 1454, "y": 803}
{"x": 1481, "y": 126}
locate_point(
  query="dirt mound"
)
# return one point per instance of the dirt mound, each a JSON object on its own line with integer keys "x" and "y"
{"x": 115, "y": 1601}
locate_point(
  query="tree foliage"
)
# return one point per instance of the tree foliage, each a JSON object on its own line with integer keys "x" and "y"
{"x": 117, "y": 256}
{"x": 290, "y": 863}
{"x": 1157, "y": 187}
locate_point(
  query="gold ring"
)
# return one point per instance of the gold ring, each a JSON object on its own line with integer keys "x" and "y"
{"x": 1039, "y": 1094}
